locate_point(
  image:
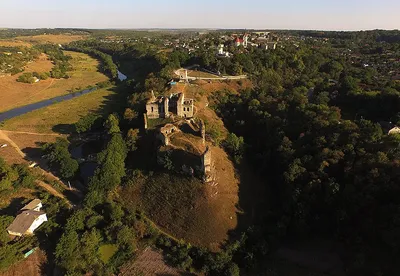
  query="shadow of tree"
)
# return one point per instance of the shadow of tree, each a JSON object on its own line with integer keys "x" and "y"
{"x": 13, "y": 208}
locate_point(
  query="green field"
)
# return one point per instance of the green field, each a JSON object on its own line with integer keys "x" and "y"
{"x": 59, "y": 117}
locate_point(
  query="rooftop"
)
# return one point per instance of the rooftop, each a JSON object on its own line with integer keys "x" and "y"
{"x": 32, "y": 205}
{"x": 24, "y": 220}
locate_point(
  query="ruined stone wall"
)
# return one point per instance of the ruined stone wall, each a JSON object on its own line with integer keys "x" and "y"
{"x": 166, "y": 108}
{"x": 203, "y": 131}
{"x": 166, "y": 132}
{"x": 206, "y": 162}
{"x": 179, "y": 105}
{"x": 145, "y": 120}
{"x": 152, "y": 110}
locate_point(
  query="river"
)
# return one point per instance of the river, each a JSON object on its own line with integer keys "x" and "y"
{"x": 31, "y": 107}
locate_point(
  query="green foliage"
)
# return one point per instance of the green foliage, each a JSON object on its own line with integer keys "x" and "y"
{"x": 214, "y": 132}
{"x": 60, "y": 61}
{"x": 130, "y": 114}
{"x": 13, "y": 59}
{"x": 8, "y": 256}
{"x": 7, "y": 175}
{"x": 60, "y": 159}
{"x": 5, "y": 221}
{"x": 25, "y": 177}
{"x": 318, "y": 164}
{"x": 235, "y": 146}
{"x": 112, "y": 124}
{"x": 131, "y": 138}
{"x": 26, "y": 78}
{"x": 88, "y": 122}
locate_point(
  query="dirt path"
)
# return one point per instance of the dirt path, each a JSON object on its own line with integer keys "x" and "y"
{"x": 53, "y": 191}
{"x": 46, "y": 186}
{"x": 32, "y": 133}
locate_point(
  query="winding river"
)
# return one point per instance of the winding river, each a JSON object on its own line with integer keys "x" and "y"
{"x": 31, "y": 107}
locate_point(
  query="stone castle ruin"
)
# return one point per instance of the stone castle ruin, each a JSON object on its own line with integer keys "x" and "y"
{"x": 166, "y": 107}
{"x": 182, "y": 123}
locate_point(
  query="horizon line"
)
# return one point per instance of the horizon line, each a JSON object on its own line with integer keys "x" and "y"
{"x": 191, "y": 28}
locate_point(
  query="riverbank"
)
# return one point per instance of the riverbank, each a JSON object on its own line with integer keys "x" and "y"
{"x": 58, "y": 117}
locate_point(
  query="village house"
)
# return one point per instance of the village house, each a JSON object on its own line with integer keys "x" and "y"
{"x": 222, "y": 53}
{"x": 28, "y": 220}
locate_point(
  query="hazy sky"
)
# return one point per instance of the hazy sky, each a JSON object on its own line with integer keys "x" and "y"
{"x": 261, "y": 14}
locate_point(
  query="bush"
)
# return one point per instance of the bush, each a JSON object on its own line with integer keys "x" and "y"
{"x": 26, "y": 78}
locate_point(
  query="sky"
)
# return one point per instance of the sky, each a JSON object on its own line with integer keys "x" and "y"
{"x": 243, "y": 14}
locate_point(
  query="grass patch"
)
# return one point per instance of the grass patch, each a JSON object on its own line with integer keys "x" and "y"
{"x": 154, "y": 123}
{"x": 58, "y": 117}
{"x": 107, "y": 251}
{"x": 177, "y": 204}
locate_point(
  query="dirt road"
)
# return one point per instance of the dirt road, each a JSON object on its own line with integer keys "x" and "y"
{"x": 4, "y": 137}
{"x": 47, "y": 187}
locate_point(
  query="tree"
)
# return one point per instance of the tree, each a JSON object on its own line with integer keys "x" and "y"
{"x": 112, "y": 124}
{"x": 5, "y": 221}
{"x": 235, "y": 146}
{"x": 130, "y": 114}
{"x": 7, "y": 175}
{"x": 131, "y": 139}
{"x": 60, "y": 158}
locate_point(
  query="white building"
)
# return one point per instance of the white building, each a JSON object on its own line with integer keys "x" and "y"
{"x": 28, "y": 220}
{"x": 395, "y": 130}
{"x": 221, "y": 52}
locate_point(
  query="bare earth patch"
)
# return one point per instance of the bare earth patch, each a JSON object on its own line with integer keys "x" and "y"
{"x": 150, "y": 262}
{"x": 30, "y": 266}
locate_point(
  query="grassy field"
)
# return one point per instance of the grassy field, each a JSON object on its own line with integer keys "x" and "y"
{"x": 14, "y": 43}
{"x": 107, "y": 251}
{"x": 58, "y": 117}
{"x": 15, "y": 94}
{"x": 51, "y": 38}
